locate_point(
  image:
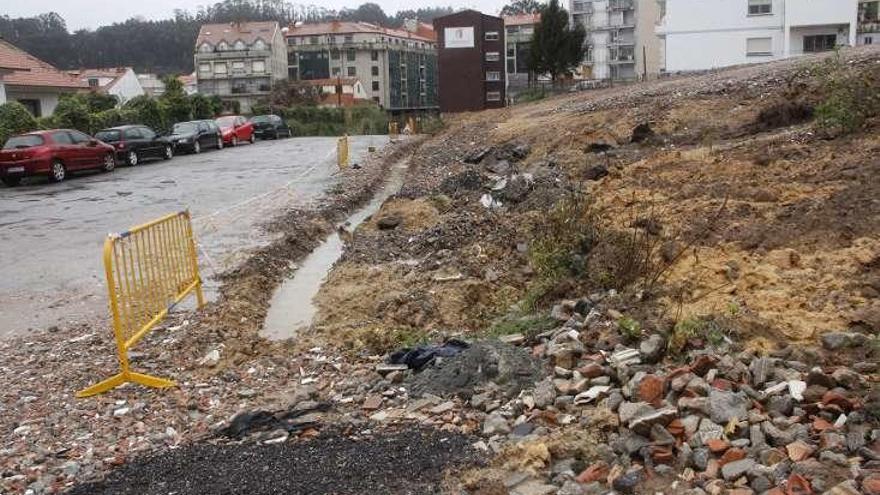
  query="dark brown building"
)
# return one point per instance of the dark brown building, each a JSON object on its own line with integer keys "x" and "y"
{"x": 470, "y": 47}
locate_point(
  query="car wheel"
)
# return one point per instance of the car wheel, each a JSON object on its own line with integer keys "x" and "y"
{"x": 219, "y": 143}
{"x": 253, "y": 138}
{"x": 197, "y": 147}
{"x": 234, "y": 141}
{"x": 169, "y": 152}
{"x": 58, "y": 172}
{"x": 11, "y": 181}
{"x": 133, "y": 159}
{"x": 109, "y": 162}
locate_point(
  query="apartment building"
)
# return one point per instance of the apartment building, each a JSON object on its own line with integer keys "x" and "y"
{"x": 518, "y": 33}
{"x": 869, "y": 22}
{"x": 698, "y": 35}
{"x": 398, "y": 67}
{"x": 621, "y": 44}
{"x": 471, "y": 61}
{"x": 240, "y": 61}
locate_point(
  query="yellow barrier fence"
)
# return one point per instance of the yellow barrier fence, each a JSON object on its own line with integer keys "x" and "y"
{"x": 150, "y": 269}
{"x": 393, "y": 129}
{"x": 342, "y": 151}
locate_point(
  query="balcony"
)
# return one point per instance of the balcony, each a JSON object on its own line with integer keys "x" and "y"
{"x": 621, "y": 5}
{"x": 225, "y": 55}
{"x": 869, "y": 26}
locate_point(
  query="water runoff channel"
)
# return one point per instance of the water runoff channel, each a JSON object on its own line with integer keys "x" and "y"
{"x": 292, "y": 307}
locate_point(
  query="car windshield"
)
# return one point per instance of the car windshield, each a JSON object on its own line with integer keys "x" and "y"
{"x": 107, "y": 136}
{"x": 226, "y": 121}
{"x": 184, "y": 128}
{"x": 260, "y": 119}
{"x": 20, "y": 142}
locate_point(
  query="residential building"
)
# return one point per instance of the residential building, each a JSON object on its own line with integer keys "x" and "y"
{"x": 699, "y": 35}
{"x": 120, "y": 82}
{"x": 340, "y": 92}
{"x": 152, "y": 84}
{"x": 32, "y": 82}
{"x": 471, "y": 61}
{"x": 621, "y": 44}
{"x": 869, "y": 22}
{"x": 518, "y": 33}
{"x": 398, "y": 67}
{"x": 189, "y": 82}
{"x": 240, "y": 61}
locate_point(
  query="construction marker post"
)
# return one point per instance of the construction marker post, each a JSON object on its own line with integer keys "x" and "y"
{"x": 149, "y": 269}
{"x": 342, "y": 151}
{"x": 393, "y": 130}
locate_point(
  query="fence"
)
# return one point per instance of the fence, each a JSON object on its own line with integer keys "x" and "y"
{"x": 150, "y": 269}
{"x": 342, "y": 152}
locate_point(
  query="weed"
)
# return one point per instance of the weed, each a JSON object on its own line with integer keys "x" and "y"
{"x": 629, "y": 328}
{"x": 529, "y": 326}
{"x": 688, "y": 329}
{"x": 431, "y": 125}
{"x": 849, "y": 97}
{"x": 379, "y": 340}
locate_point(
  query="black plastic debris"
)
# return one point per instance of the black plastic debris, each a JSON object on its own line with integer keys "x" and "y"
{"x": 291, "y": 420}
{"x": 419, "y": 357}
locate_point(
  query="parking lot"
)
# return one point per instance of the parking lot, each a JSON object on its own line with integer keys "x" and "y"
{"x": 51, "y": 234}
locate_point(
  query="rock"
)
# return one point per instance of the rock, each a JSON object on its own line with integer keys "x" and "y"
{"x": 644, "y": 422}
{"x": 625, "y": 357}
{"x": 796, "y": 388}
{"x": 596, "y": 172}
{"x": 211, "y": 358}
{"x": 700, "y": 459}
{"x": 499, "y": 167}
{"x": 834, "y": 457}
{"x": 545, "y": 393}
{"x": 389, "y": 222}
{"x": 847, "y": 378}
{"x": 628, "y": 482}
{"x": 799, "y": 450}
{"x": 495, "y": 424}
{"x": 571, "y": 488}
{"x": 513, "y": 339}
{"x": 780, "y": 404}
{"x": 522, "y": 430}
{"x": 631, "y": 410}
{"x": 817, "y": 377}
{"x": 533, "y": 487}
{"x": 725, "y": 406}
{"x": 122, "y": 411}
{"x": 756, "y": 436}
{"x": 834, "y": 341}
{"x": 733, "y": 470}
{"x": 599, "y": 147}
{"x": 641, "y": 132}
{"x": 442, "y": 408}
{"x": 477, "y": 155}
{"x": 760, "y": 369}
{"x": 652, "y": 348}
{"x": 590, "y": 395}
{"x": 871, "y": 484}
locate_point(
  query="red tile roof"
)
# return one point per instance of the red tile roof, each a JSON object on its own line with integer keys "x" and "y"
{"x": 35, "y": 72}
{"x": 339, "y": 27}
{"x": 522, "y": 19}
{"x": 113, "y": 72}
{"x": 247, "y": 32}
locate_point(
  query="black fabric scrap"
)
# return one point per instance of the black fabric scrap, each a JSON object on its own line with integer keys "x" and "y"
{"x": 419, "y": 357}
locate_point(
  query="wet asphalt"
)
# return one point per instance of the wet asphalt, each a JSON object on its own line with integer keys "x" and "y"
{"x": 51, "y": 235}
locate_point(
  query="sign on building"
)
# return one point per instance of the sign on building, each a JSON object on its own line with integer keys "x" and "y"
{"x": 458, "y": 37}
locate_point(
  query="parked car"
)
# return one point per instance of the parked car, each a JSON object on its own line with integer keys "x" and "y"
{"x": 134, "y": 143}
{"x": 54, "y": 153}
{"x": 195, "y": 135}
{"x": 270, "y": 126}
{"x": 236, "y": 129}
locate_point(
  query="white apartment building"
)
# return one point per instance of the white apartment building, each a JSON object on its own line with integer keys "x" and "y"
{"x": 704, "y": 34}
{"x": 621, "y": 43}
{"x": 869, "y": 22}
{"x": 121, "y": 82}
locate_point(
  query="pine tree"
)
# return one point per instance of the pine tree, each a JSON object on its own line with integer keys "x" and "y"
{"x": 557, "y": 48}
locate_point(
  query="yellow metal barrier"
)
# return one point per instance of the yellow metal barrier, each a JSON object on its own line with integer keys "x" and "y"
{"x": 342, "y": 151}
{"x": 393, "y": 129}
{"x": 150, "y": 269}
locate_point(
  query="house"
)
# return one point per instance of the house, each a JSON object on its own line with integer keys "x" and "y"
{"x": 152, "y": 84}
{"x": 699, "y": 35}
{"x": 621, "y": 44}
{"x": 470, "y": 61}
{"x": 190, "y": 85}
{"x": 869, "y": 22}
{"x": 240, "y": 61}
{"x": 397, "y": 66}
{"x": 120, "y": 82}
{"x": 518, "y": 33}
{"x": 340, "y": 92}
{"x": 34, "y": 83}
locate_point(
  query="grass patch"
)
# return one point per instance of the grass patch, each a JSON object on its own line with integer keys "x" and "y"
{"x": 688, "y": 330}
{"x": 382, "y": 340}
{"x": 529, "y": 326}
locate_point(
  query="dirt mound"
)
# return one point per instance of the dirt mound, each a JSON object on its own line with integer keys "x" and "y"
{"x": 410, "y": 461}
{"x": 483, "y": 364}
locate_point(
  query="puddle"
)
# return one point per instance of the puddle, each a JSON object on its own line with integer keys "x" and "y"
{"x": 292, "y": 307}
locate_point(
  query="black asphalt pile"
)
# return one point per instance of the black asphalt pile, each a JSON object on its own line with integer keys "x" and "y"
{"x": 410, "y": 461}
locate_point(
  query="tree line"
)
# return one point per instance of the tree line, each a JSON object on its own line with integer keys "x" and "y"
{"x": 166, "y": 46}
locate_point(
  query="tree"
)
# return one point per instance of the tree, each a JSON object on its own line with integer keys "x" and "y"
{"x": 148, "y": 111}
{"x": 174, "y": 104}
{"x": 72, "y": 112}
{"x": 202, "y": 108}
{"x": 519, "y": 7}
{"x": 99, "y": 102}
{"x": 15, "y": 119}
{"x": 367, "y": 12}
{"x": 556, "y": 48}
{"x": 291, "y": 93}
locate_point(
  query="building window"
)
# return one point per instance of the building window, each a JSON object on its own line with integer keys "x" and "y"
{"x": 351, "y": 71}
{"x": 220, "y": 68}
{"x": 237, "y": 67}
{"x": 760, "y": 7}
{"x": 239, "y": 45}
{"x": 375, "y": 85}
{"x": 493, "y": 56}
{"x": 205, "y": 48}
{"x": 492, "y": 36}
{"x": 313, "y": 40}
{"x": 204, "y": 68}
{"x": 350, "y": 54}
{"x": 374, "y": 71}
{"x": 334, "y": 54}
{"x": 869, "y": 40}
{"x": 291, "y": 41}
{"x": 349, "y": 38}
{"x": 869, "y": 12}
{"x": 493, "y": 75}
{"x": 292, "y": 59}
{"x": 374, "y": 55}
{"x": 820, "y": 43}
{"x": 493, "y": 96}
{"x": 93, "y": 82}
{"x": 293, "y": 73}
{"x": 335, "y": 71}
{"x": 222, "y": 46}
{"x": 259, "y": 45}
{"x": 759, "y": 47}
{"x": 259, "y": 66}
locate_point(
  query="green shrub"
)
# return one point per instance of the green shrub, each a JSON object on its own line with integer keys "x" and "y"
{"x": 15, "y": 119}
{"x": 147, "y": 111}
{"x": 532, "y": 94}
{"x": 629, "y": 328}
{"x": 99, "y": 102}
{"x": 201, "y": 106}
{"x": 529, "y": 326}
{"x": 72, "y": 112}
{"x": 850, "y": 96}
{"x": 113, "y": 118}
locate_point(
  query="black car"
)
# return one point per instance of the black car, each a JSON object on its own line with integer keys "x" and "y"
{"x": 196, "y": 135}
{"x": 270, "y": 126}
{"x": 134, "y": 143}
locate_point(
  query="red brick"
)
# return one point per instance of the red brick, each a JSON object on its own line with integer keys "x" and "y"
{"x": 652, "y": 388}
{"x": 596, "y": 472}
{"x": 717, "y": 445}
{"x": 732, "y": 455}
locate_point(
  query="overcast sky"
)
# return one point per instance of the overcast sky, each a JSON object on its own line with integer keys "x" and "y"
{"x": 93, "y": 13}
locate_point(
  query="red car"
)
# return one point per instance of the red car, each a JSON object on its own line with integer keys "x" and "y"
{"x": 236, "y": 129}
{"x": 53, "y": 153}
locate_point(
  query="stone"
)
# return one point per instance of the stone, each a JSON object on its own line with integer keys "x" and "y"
{"x": 834, "y": 341}
{"x": 760, "y": 369}
{"x": 778, "y": 437}
{"x": 372, "y": 403}
{"x": 522, "y": 429}
{"x": 442, "y": 408}
{"x": 834, "y": 457}
{"x": 652, "y": 348}
{"x": 732, "y": 455}
{"x": 625, "y": 357}
{"x": 596, "y": 472}
{"x": 817, "y": 377}
{"x": 700, "y": 459}
{"x": 708, "y": 431}
{"x": 630, "y": 410}
{"x": 726, "y": 406}
{"x": 796, "y": 388}
{"x": 643, "y": 423}
{"x": 495, "y": 424}
{"x": 814, "y": 393}
{"x": 781, "y": 404}
{"x": 389, "y": 222}
{"x": 545, "y": 393}
{"x": 477, "y": 155}
{"x": 571, "y": 487}
{"x": 628, "y": 482}
{"x": 733, "y": 470}
{"x": 386, "y": 369}
{"x": 591, "y": 394}
{"x": 871, "y": 484}
{"x": 717, "y": 445}
{"x": 847, "y": 378}
{"x": 596, "y": 172}
{"x": 699, "y": 404}
{"x": 122, "y": 411}
{"x": 533, "y": 487}
{"x": 756, "y": 436}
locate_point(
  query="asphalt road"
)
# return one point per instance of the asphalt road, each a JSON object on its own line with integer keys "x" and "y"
{"x": 51, "y": 235}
